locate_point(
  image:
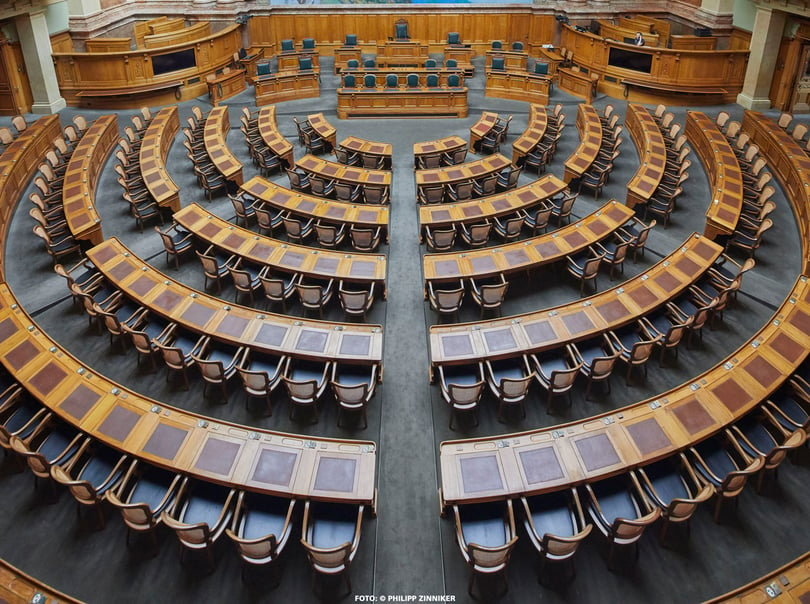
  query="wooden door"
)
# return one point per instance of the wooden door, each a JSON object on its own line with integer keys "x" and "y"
{"x": 8, "y": 102}
{"x": 800, "y": 102}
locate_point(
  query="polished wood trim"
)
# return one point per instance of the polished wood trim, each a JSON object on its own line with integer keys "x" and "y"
{"x": 517, "y": 86}
{"x": 17, "y": 587}
{"x": 217, "y": 126}
{"x": 379, "y": 151}
{"x": 82, "y": 173}
{"x": 788, "y": 584}
{"x": 723, "y": 170}
{"x": 590, "y": 141}
{"x": 288, "y": 61}
{"x": 513, "y": 60}
{"x": 577, "y": 83}
{"x": 481, "y": 128}
{"x": 401, "y": 102}
{"x": 155, "y": 146}
{"x": 401, "y": 53}
{"x": 402, "y": 74}
{"x": 652, "y": 154}
{"x": 533, "y": 134}
{"x": 268, "y": 129}
{"x": 323, "y": 128}
{"x": 354, "y": 175}
{"x": 287, "y": 86}
{"x": 225, "y": 85}
{"x": 52, "y": 375}
{"x": 448, "y": 144}
{"x": 471, "y": 170}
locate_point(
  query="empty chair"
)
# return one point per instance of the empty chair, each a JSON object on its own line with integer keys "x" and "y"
{"x": 445, "y": 301}
{"x": 321, "y": 187}
{"x": 620, "y": 511}
{"x": 723, "y": 466}
{"x": 315, "y": 296}
{"x": 460, "y": 191}
{"x": 305, "y": 382}
{"x": 19, "y": 416}
{"x": 507, "y": 179}
{"x": 596, "y": 358}
{"x": 509, "y": 381}
{"x": 143, "y": 332}
{"x": 330, "y": 535}
{"x": 461, "y": 388}
{"x": 244, "y": 212}
{"x": 261, "y": 374}
{"x": 51, "y": 442}
{"x": 555, "y": 525}
{"x": 485, "y": 533}
{"x": 508, "y": 228}
{"x": 667, "y": 328}
{"x": 298, "y": 230}
{"x": 346, "y": 157}
{"x": 178, "y": 348}
{"x": 216, "y": 266}
{"x": 440, "y": 240}
{"x": 176, "y": 242}
{"x": 430, "y": 160}
{"x": 673, "y": 486}
{"x": 537, "y": 218}
{"x": 113, "y": 316}
{"x": 329, "y": 235}
{"x": 556, "y": 371}
{"x": 261, "y": 527}
{"x": 346, "y": 192}
{"x": 268, "y": 220}
{"x": 353, "y": 387}
{"x": 365, "y": 239}
{"x": 355, "y": 302}
{"x": 489, "y": 295}
{"x": 60, "y": 248}
{"x": 246, "y": 278}
{"x": 142, "y": 495}
{"x": 615, "y": 251}
{"x": 635, "y": 345}
{"x": 563, "y": 207}
{"x": 455, "y": 157}
{"x": 90, "y": 474}
{"x": 279, "y": 288}
{"x": 637, "y": 233}
{"x": 299, "y": 181}
{"x": 210, "y": 180}
{"x": 199, "y": 516}
{"x": 789, "y": 406}
{"x": 585, "y": 267}
{"x": 432, "y": 194}
{"x": 489, "y": 144}
{"x": 744, "y": 240}
{"x": 218, "y": 363}
{"x": 475, "y": 235}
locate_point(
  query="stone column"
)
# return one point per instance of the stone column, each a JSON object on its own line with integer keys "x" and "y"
{"x": 769, "y": 26}
{"x": 718, "y": 7}
{"x": 83, "y": 8}
{"x": 36, "y": 47}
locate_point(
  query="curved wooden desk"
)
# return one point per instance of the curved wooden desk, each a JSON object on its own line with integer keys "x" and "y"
{"x": 319, "y": 208}
{"x": 481, "y": 128}
{"x": 402, "y": 52}
{"x": 286, "y": 86}
{"x": 652, "y": 154}
{"x": 268, "y": 129}
{"x": 790, "y": 164}
{"x": 285, "y": 257}
{"x": 590, "y": 141}
{"x": 19, "y": 162}
{"x": 533, "y": 134}
{"x": 232, "y": 324}
{"x": 723, "y": 170}
{"x": 81, "y": 175}
{"x": 471, "y": 170}
{"x": 513, "y": 60}
{"x": 438, "y": 216}
{"x": 323, "y": 128}
{"x": 528, "y": 253}
{"x": 379, "y": 151}
{"x": 789, "y": 584}
{"x": 554, "y": 327}
{"x": 217, "y": 126}
{"x": 155, "y": 146}
{"x": 16, "y": 587}
{"x": 344, "y": 54}
{"x": 400, "y": 102}
{"x": 627, "y": 34}
{"x": 555, "y": 458}
{"x": 517, "y": 85}
{"x": 448, "y": 144}
{"x": 250, "y": 458}
{"x": 330, "y": 170}
{"x": 288, "y": 60}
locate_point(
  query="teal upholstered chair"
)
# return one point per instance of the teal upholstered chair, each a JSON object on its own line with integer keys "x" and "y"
{"x": 352, "y": 64}
{"x": 453, "y": 38}
{"x": 496, "y": 45}
{"x": 453, "y": 81}
{"x": 351, "y": 40}
{"x": 412, "y": 80}
{"x": 305, "y": 64}
{"x": 498, "y": 63}
{"x": 401, "y": 30}
{"x": 370, "y": 64}
{"x": 349, "y": 81}
{"x": 262, "y": 69}
{"x": 287, "y": 45}
{"x": 370, "y": 81}
{"x": 517, "y": 46}
{"x": 430, "y": 64}
{"x": 451, "y": 64}
{"x": 309, "y": 44}
{"x": 432, "y": 80}
{"x": 541, "y": 68}
{"x": 391, "y": 80}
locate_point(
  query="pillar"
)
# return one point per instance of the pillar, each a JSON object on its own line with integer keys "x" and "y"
{"x": 36, "y": 47}
{"x": 717, "y": 7}
{"x": 769, "y": 26}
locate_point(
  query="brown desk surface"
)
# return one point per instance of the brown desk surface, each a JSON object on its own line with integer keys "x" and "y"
{"x": 723, "y": 169}
{"x": 512, "y": 58}
{"x": 549, "y": 459}
{"x": 237, "y": 456}
{"x": 790, "y": 164}
{"x": 553, "y": 327}
{"x": 482, "y": 127}
{"x": 155, "y": 145}
{"x": 237, "y": 325}
{"x": 311, "y": 206}
{"x": 789, "y": 584}
{"x": 477, "y": 210}
{"x": 217, "y": 126}
{"x": 533, "y": 134}
{"x": 527, "y": 253}
{"x": 268, "y": 129}
{"x": 323, "y": 128}
{"x": 590, "y": 136}
{"x": 442, "y": 145}
{"x": 81, "y": 175}
{"x": 652, "y": 153}
{"x": 351, "y": 174}
{"x": 281, "y": 256}
{"x": 364, "y": 147}
{"x": 471, "y": 170}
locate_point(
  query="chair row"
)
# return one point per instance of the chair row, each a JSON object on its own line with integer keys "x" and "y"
{"x": 208, "y": 176}
{"x": 491, "y": 184}
{"x": 262, "y": 155}
{"x": 542, "y": 152}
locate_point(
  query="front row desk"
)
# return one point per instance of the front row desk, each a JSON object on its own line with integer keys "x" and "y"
{"x": 401, "y": 101}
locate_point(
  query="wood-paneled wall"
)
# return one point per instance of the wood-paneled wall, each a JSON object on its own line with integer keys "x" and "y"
{"x": 104, "y": 72}
{"x": 191, "y": 33}
{"x": 329, "y": 27}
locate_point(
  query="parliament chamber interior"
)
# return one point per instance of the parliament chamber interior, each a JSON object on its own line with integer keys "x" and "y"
{"x": 395, "y": 302}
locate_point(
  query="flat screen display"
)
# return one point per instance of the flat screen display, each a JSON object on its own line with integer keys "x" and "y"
{"x": 628, "y": 59}
{"x": 173, "y": 61}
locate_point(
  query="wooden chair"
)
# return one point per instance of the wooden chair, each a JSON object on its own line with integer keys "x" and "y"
{"x": 440, "y": 240}
{"x": 584, "y": 266}
{"x": 509, "y": 381}
{"x": 261, "y": 374}
{"x": 537, "y": 218}
{"x": 297, "y": 230}
{"x": 461, "y": 388}
{"x": 50, "y": 442}
{"x": 199, "y": 516}
{"x": 176, "y": 242}
{"x": 246, "y": 278}
{"x": 556, "y": 371}
{"x": 375, "y": 195}
{"x": 635, "y": 346}
{"x": 486, "y": 536}
{"x": 315, "y": 296}
{"x": 244, "y": 210}
{"x": 218, "y": 363}
{"x": 353, "y": 387}
{"x": 279, "y": 288}
{"x": 261, "y": 528}
{"x": 330, "y": 537}
{"x": 178, "y": 349}
{"x": 19, "y": 416}
{"x": 489, "y": 296}
{"x": 305, "y": 382}
{"x": 555, "y": 525}
{"x": 215, "y": 266}
{"x": 445, "y": 301}
{"x": 143, "y": 332}
{"x": 475, "y": 235}
{"x": 268, "y": 220}
{"x": 562, "y": 207}
{"x": 509, "y": 228}
{"x": 329, "y": 235}
{"x": 461, "y": 191}
{"x": 431, "y": 194}
{"x": 58, "y": 249}
{"x": 355, "y": 302}
{"x": 299, "y": 181}
{"x": 596, "y": 358}
{"x": 365, "y": 239}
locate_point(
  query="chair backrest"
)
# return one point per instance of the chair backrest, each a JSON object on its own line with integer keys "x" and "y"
{"x": 211, "y": 371}
{"x": 591, "y": 267}
{"x": 512, "y": 388}
{"x": 412, "y": 80}
{"x": 514, "y": 225}
{"x": 349, "y": 81}
{"x": 329, "y": 559}
{"x": 498, "y": 63}
{"x": 432, "y": 80}
{"x": 401, "y": 30}
{"x": 453, "y": 81}
{"x": 442, "y": 239}
{"x": 305, "y": 63}
{"x": 352, "y": 300}
{"x": 370, "y": 64}
{"x": 353, "y": 394}
{"x": 370, "y": 80}
{"x": 301, "y": 392}
{"x": 262, "y": 69}
{"x": 430, "y": 64}
{"x": 391, "y": 80}
{"x": 287, "y": 45}
{"x": 351, "y": 40}
{"x": 451, "y": 64}
{"x": 373, "y": 195}
{"x": 326, "y": 233}
{"x": 494, "y": 294}
{"x": 562, "y": 379}
{"x": 448, "y": 300}
{"x": 363, "y": 238}
{"x": 490, "y": 558}
{"x": 480, "y": 232}
{"x": 453, "y": 38}
{"x": 310, "y": 294}
{"x": 292, "y": 227}
{"x": 497, "y": 45}
{"x": 541, "y": 68}
{"x": 641, "y": 351}
{"x": 353, "y": 64}
{"x": 465, "y": 394}
{"x": 308, "y": 43}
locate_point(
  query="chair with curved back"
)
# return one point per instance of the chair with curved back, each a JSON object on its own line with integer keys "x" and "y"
{"x": 297, "y": 230}
{"x": 556, "y": 371}
{"x": 305, "y": 382}
{"x": 50, "y": 442}
{"x": 315, "y": 296}
{"x": 370, "y": 80}
{"x": 486, "y": 536}
{"x": 440, "y": 240}
{"x": 178, "y": 348}
{"x": 445, "y": 301}
{"x": 261, "y": 374}
{"x": 475, "y": 235}
{"x": 365, "y": 239}
{"x": 635, "y": 345}
{"x": 489, "y": 295}
{"x": 391, "y": 81}
{"x": 584, "y": 266}
{"x": 246, "y": 278}
{"x": 218, "y": 364}
{"x": 353, "y": 387}
{"x": 461, "y": 388}
{"x": 279, "y": 288}
{"x": 596, "y": 358}
{"x": 356, "y": 302}
{"x": 509, "y": 380}
{"x": 329, "y": 235}
{"x": 215, "y": 265}
{"x": 176, "y": 242}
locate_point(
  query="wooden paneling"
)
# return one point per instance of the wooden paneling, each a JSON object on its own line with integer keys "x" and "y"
{"x": 739, "y": 39}
{"x": 621, "y": 34}
{"x": 694, "y": 43}
{"x": 286, "y": 86}
{"x": 106, "y": 45}
{"x": 61, "y": 42}
{"x": 181, "y": 36}
{"x": 401, "y": 102}
{"x": 518, "y": 86}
